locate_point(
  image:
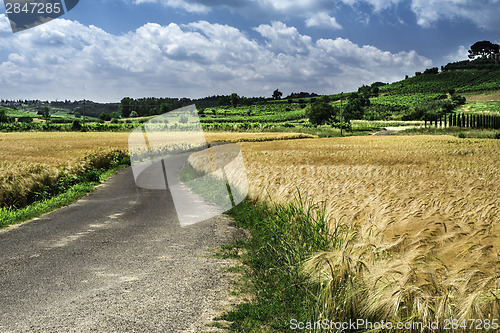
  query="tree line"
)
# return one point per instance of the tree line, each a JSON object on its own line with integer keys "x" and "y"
{"x": 150, "y": 106}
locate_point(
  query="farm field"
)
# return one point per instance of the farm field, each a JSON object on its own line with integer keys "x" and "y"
{"x": 490, "y": 107}
{"x": 422, "y": 219}
{"x": 418, "y": 98}
{"x": 31, "y": 160}
{"x": 484, "y": 97}
{"x": 56, "y": 148}
{"x": 60, "y": 148}
{"x": 421, "y": 211}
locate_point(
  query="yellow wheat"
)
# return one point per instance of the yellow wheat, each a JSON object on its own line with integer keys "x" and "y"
{"x": 423, "y": 212}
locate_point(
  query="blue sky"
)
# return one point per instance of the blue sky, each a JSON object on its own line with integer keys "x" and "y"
{"x": 105, "y": 50}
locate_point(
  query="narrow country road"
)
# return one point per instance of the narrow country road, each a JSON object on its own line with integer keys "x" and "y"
{"x": 115, "y": 261}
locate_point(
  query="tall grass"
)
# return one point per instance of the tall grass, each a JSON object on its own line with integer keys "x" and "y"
{"x": 282, "y": 237}
{"x": 24, "y": 183}
{"x": 67, "y": 190}
{"x": 10, "y": 216}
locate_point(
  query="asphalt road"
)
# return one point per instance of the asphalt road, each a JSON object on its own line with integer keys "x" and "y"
{"x": 115, "y": 261}
{"x": 385, "y": 132}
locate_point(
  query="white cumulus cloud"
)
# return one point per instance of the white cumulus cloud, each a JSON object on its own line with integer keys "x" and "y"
{"x": 189, "y": 6}
{"x": 64, "y": 59}
{"x": 322, "y": 19}
{"x": 483, "y": 13}
{"x": 460, "y": 54}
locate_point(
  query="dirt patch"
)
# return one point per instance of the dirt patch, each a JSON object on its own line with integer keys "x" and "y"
{"x": 489, "y": 97}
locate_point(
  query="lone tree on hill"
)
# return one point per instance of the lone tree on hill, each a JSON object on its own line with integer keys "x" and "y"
{"x": 45, "y": 113}
{"x": 277, "y": 94}
{"x": 235, "y": 99}
{"x": 483, "y": 49}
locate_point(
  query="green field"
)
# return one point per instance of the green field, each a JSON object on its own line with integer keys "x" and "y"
{"x": 488, "y": 107}
{"x": 336, "y": 224}
{"x": 17, "y": 113}
{"x": 418, "y": 98}
{"x": 461, "y": 80}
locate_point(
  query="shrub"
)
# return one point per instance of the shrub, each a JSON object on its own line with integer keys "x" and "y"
{"x": 320, "y": 112}
{"x": 458, "y": 100}
{"x": 354, "y": 109}
{"x": 104, "y": 116}
{"x": 25, "y": 120}
{"x": 76, "y": 125}
{"x": 433, "y": 70}
{"x": 3, "y": 117}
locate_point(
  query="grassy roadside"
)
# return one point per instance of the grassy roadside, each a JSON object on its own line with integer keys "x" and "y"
{"x": 282, "y": 237}
{"x": 455, "y": 131}
{"x": 421, "y": 211}
{"x": 65, "y": 191}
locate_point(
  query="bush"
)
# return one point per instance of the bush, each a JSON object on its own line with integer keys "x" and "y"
{"x": 76, "y": 125}
{"x": 433, "y": 70}
{"x": 27, "y": 120}
{"x": 320, "y": 112}
{"x": 3, "y": 117}
{"x": 458, "y": 100}
{"x": 447, "y": 107}
{"x": 354, "y": 109}
{"x": 104, "y": 116}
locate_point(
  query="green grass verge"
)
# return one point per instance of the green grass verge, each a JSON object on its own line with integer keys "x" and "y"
{"x": 282, "y": 237}
{"x": 492, "y": 107}
{"x": 9, "y": 216}
{"x": 211, "y": 188}
{"x": 13, "y": 216}
{"x": 455, "y": 131}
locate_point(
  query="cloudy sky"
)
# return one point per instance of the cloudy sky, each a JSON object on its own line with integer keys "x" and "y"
{"x": 104, "y": 50}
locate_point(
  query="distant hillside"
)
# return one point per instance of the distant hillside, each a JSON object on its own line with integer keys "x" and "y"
{"x": 429, "y": 94}
{"x": 461, "y": 80}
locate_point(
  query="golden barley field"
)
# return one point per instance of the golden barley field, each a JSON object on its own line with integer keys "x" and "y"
{"x": 422, "y": 214}
{"x": 31, "y": 160}
{"x": 62, "y": 148}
